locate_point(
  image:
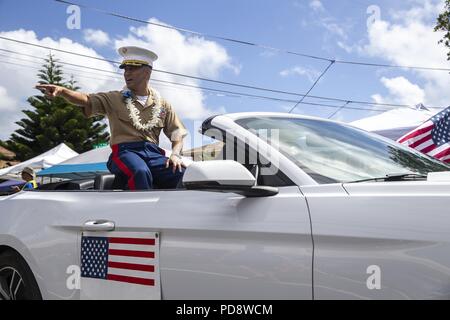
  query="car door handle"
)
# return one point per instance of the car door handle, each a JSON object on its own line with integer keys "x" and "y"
{"x": 99, "y": 225}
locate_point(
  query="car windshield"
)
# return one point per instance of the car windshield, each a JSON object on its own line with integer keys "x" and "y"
{"x": 333, "y": 152}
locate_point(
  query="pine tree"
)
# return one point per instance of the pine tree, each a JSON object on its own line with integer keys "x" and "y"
{"x": 54, "y": 121}
{"x": 443, "y": 24}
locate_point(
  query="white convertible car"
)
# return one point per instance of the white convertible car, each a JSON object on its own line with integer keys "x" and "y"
{"x": 292, "y": 208}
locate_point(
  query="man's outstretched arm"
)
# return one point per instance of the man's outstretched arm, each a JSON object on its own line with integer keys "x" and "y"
{"x": 51, "y": 91}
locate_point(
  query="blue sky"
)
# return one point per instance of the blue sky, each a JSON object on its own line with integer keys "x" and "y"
{"x": 402, "y": 34}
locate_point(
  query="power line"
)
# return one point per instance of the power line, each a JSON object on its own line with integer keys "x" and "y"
{"x": 340, "y": 108}
{"x": 266, "y": 97}
{"x": 64, "y": 63}
{"x": 60, "y": 50}
{"x": 368, "y": 64}
{"x": 38, "y": 68}
{"x": 67, "y": 63}
{"x": 248, "y": 43}
{"x": 312, "y": 87}
{"x": 232, "y": 93}
{"x": 239, "y": 94}
{"x": 214, "y": 81}
{"x": 193, "y": 32}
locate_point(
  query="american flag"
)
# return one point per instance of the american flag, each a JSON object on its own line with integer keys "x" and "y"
{"x": 127, "y": 258}
{"x": 432, "y": 137}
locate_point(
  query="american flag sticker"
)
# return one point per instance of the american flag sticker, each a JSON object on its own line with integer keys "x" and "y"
{"x": 120, "y": 261}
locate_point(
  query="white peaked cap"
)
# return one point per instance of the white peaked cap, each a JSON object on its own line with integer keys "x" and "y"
{"x": 136, "y": 56}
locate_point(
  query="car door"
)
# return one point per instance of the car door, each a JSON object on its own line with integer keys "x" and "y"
{"x": 57, "y": 222}
{"x": 225, "y": 246}
{"x": 211, "y": 245}
{"x": 381, "y": 240}
{"x": 118, "y": 245}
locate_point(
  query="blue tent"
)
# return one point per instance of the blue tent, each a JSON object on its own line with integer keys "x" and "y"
{"x": 85, "y": 165}
{"x": 74, "y": 171}
{"x": 5, "y": 186}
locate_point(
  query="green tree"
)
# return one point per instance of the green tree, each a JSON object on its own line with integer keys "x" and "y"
{"x": 54, "y": 121}
{"x": 443, "y": 24}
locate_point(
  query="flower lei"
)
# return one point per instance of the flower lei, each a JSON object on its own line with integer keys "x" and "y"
{"x": 134, "y": 113}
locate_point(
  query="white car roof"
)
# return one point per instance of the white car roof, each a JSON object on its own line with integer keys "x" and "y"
{"x": 243, "y": 115}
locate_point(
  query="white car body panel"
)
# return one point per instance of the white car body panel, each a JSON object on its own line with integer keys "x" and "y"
{"x": 308, "y": 241}
{"x": 400, "y": 227}
{"x": 225, "y": 253}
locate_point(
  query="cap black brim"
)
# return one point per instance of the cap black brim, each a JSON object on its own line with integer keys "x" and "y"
{"x": 122, "y": 66}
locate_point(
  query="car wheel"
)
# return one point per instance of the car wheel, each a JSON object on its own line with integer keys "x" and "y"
{"x": 16, "y": 279}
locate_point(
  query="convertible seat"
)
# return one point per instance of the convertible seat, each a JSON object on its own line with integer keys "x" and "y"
{"x": 109, "y": 182}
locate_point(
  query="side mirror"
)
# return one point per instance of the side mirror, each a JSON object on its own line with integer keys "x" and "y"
{"x": 224, "y": 176}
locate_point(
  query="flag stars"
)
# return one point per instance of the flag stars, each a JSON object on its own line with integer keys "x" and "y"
{"x": 440, "y": 133}
{"x": 94, "y": 257}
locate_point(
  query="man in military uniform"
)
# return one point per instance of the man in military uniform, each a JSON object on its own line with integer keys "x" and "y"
{"x": 136, "y": 115}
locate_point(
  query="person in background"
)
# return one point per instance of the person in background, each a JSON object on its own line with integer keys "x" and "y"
{"x": 29, "y": 176}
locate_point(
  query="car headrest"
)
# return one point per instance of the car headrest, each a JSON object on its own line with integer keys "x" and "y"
{"x": 104, "y": 182}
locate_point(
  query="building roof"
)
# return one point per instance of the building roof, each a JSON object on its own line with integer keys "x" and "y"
{"x": 207, "y": 152}
{"x": 7, "y": 163}
{"x": 6, "y": 153}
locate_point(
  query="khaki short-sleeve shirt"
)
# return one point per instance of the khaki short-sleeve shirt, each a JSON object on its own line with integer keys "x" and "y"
{"x": 112, "y": 104}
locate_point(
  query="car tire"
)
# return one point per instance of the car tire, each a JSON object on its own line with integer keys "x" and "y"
{"x": 16, "y": 279}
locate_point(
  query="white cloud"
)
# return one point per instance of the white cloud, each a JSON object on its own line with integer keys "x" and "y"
{"x": 7, "y": 103}
{"x": 324, "y": 19}
{"x": 316, "y": 5}
{"x": 346, "y": 47}
{"x": 268, "y": 53}
{"x": 423, "y": 11}
{"x": 311, "y": 74}
{"x": 181, "y": 54}
{"x": 401, "y": 91}
{"x": 333, "y": 28}
{"x": 96, "y": 37}
{"x": 409, "y": 40}
{"x": 8, "y": 109}
{"x": 23, "y": 81}
{"x": 19, "y": 81}
{"x": 177, "y": 53}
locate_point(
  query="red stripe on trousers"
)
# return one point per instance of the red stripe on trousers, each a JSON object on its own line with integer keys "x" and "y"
{"x": 145, "y": 282}
{"x": 123, "y": 167}
{"x": 150, "y": 242}
{"x": 162, "y": 151}
{"x": 131, "y": 253}
{"x": 131, "y": 266}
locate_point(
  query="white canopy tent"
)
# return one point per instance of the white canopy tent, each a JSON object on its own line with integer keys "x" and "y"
{"x": 45, "y": 160}
{"x": 395, "y": 123}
